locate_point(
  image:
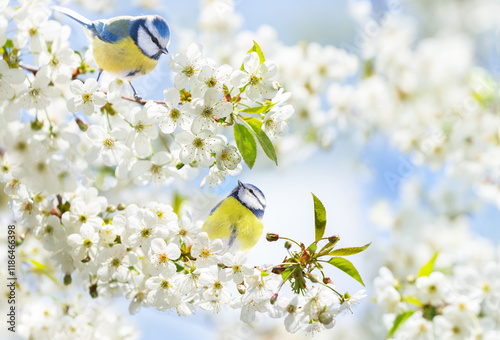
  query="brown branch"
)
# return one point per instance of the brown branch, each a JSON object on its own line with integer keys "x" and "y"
{"x": 31, "y": 68}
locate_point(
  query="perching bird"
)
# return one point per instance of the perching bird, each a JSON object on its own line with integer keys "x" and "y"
{"x": 237, "y": 220}
{"x": 128, "y": 47}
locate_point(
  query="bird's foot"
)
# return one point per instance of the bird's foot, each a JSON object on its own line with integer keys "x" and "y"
{"x": 137, "y": 98}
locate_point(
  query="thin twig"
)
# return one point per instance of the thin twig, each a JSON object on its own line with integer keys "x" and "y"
{"x": 31, "y": 68}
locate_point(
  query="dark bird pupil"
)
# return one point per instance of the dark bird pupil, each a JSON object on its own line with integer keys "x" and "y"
{"x": 154, "y": 40}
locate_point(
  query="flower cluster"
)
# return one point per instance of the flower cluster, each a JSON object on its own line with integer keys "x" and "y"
{"x": 307, "y": 70}
{"x": 77, "y": 318}
{"x": 454, "y": 294}
{"x": 463, "y": 304}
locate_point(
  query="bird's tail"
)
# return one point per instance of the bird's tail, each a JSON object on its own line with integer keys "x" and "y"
{"x": 75, "y": 16}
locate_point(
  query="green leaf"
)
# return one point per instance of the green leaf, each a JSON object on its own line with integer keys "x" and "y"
{"x": 9, "y": 43}
{"x": 246, "y": 144}
{"x": 256, "y": 48}
{"x": 400, "y": 319}
{"x": 347, "y": 267}
{"x": 312, "y": 248}
{"x": 349, "y": 250}
{"x": 319, "y": 218}
{"x": 286, "y": 274}
{"x": 177, "y": 202}
{"x": 412, "y": 300}
{"x": 427, "y": 268}
{"x": 43, "y": 269}
{"x": 264, "y": 141}
{"x": 259, "y": 109}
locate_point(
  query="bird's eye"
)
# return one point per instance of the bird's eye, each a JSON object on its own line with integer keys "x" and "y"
{"x": 153, "y": 39}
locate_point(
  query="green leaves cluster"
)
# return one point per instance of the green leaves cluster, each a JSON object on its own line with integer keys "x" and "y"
{"x": 244, "y": 136}
{"x": 248, "y": 130}
{"x": 302, "y": 264}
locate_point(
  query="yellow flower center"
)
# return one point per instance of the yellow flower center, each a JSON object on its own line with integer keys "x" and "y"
{"x": 48, "y": 229}
{"x": 188, "y": 71}
{"x": 211, "y": 82}
{"x": 163, "y": 258}
{"x": 146, "y": 232}
{"x": 165, "y": 284}
{"x": 108, "y": 143}
{"x": 175, "y": 114}
{"x": 207, "y": 112}
{"x": 254, "y": 80}
{"x": 198, "y": 143}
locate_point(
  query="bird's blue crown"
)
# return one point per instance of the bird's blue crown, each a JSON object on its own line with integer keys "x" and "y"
{"x": 162, "y": 26}
{"x": 151, "y": 33}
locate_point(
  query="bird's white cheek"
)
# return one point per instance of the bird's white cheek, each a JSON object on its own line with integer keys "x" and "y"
{"x": 250, "y": 200}
{"x": 145, "y": 43}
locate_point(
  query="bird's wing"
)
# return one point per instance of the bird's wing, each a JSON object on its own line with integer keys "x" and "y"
{"x": 112, "y": 30}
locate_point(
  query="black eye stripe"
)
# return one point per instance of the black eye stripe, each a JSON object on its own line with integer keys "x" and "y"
{"x": 254, "y": 195}
{"x": 153, "y": 38}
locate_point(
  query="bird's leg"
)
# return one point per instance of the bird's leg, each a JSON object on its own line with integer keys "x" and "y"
{"x": 99, "y": 75}
{"x": 136, "y": 96}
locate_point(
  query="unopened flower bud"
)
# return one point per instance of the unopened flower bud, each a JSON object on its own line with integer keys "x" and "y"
{"x": 121, "y": 206}
{"x": 274, "y": 298}
{"x": 93, "y": 290}
{"x": 288, "y": 245}
{"x": 314, "y": 278}
{"x": 325, "y": 318}
{"x": 241, "y": 289}
{"x": 36, "y": 125}
{"x": 82, "y": 125}
{"x": 334, "y": 239}
{"x": 110, "y": 208}
{"x": 67, "y": 279}
{"x": 271, "y": 237}
{"x": 327, "y": 280}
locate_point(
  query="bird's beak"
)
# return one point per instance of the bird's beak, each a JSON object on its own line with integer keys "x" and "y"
{"x": 164, "y": 51}
{"x": 240, "y": 185}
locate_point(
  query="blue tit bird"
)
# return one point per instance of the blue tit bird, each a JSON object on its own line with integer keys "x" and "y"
{"x": 128, "y": 47}
{"x": 237, "y": 220}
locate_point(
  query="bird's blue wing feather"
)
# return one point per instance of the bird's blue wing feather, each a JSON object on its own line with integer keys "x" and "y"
{"x": 113, "y": 30}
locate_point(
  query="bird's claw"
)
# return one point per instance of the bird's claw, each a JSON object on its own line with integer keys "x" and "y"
{"x": 137, "y": 98}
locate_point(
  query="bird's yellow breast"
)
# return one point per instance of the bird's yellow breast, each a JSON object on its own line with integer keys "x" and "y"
{"x": 122, "y": 58}
{"x": 233, "y": 219}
